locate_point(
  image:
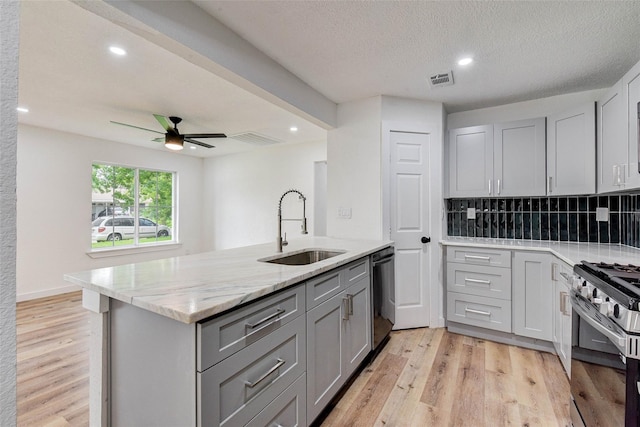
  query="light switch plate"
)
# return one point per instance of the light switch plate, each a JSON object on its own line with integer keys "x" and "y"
{"x": 602, "y": 214}
{"x": 471, "y": 213}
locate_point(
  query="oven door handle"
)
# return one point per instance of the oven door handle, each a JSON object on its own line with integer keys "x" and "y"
{"x": 618, "y": 340}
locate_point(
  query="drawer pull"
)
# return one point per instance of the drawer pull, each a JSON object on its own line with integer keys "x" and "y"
{"x": 477, "y": 257}
{"x": 479, "y": 281}
{"x": 266, "y": 374}
{"x": 277, "y": 313}
{"x": 471, "y": 310}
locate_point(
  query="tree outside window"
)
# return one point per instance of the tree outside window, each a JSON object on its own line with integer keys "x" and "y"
{"x": 131, "y": 206}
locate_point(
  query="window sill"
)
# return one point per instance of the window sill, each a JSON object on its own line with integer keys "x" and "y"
{"x": 111, "y": 252}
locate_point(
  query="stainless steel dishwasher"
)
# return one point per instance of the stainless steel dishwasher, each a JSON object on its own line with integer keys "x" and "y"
{"x": 383, "y": 296}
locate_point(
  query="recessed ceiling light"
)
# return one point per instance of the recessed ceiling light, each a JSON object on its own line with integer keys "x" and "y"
{"x": 192, "y": 147}
{"x": 117, "y": 50}
{"x": 293, "y": 129}
{"x": 23, "y": 109}
{"x": 465, "y": 61}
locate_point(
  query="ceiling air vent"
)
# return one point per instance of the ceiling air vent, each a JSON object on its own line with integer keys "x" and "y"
{"x": 442, "y": 79}
{"x": 254, "y": 138}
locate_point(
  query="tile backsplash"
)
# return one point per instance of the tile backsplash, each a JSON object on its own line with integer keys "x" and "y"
{"x": 548, "y": 218}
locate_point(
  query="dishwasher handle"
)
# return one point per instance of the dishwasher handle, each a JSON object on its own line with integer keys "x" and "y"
{"x": 383, "y": 260}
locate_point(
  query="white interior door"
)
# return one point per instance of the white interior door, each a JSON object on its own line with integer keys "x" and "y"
{"x": 410, "y": 225}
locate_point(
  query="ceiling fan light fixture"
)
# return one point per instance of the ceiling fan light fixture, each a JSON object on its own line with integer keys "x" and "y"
{"x": 174, "y": 142}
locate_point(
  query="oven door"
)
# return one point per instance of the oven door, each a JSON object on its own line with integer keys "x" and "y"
{"x": 601, "y": 393}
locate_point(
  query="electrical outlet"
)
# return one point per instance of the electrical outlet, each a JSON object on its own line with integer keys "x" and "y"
{"x": 344, "y": 213}
{"x": 471, "y": 213}
{"x": 602, "y": 214}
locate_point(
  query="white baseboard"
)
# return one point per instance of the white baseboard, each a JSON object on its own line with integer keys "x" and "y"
{"x": 46, "y": 293}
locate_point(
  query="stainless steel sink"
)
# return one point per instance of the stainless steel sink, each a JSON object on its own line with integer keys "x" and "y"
{"x": 305, "y": 257}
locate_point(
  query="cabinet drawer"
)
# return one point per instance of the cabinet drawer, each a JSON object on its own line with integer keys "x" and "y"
{"x": 235, "y": 390}
{"x": 479, "y": 280}
{"x": 321, "y": 288}
{"x": 490, "y": 313}
{"x": 288, "y": 409}
{"x": 479, "y": 256}
{"x": 354, "y": 272}
{"x": 222, "y": 336}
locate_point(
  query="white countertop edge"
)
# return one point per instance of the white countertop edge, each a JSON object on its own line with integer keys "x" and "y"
{"x": 570, "y": 252}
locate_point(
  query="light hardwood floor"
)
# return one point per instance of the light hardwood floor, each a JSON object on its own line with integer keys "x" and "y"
{"x": 423, "y": 377}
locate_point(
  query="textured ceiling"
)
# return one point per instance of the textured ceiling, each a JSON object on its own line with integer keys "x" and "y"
{"x": 351, "y": 50}
{"x": 346, "y": 50}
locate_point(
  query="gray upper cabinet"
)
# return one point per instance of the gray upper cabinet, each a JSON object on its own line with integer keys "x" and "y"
{"x": 470, "y": 161}
{"x": 519, "y": 158}
{"x": 571, "y": 151}
{"x": 506, "y": 159}
{"x": 612, "y": 144}
{"x": 631, "y": 98}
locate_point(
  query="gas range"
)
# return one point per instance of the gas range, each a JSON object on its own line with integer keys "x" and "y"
{"x": 613, "y": 289}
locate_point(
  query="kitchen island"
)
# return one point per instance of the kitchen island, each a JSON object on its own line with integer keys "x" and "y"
{"x": 163, "y": 333}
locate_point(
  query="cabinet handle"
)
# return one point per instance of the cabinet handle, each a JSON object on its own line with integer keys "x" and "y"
{"x": 345, "y": 308}
{"x": 480, "y": 281}
{"x": 277, "y": 313}
{"x": 489, "y": 187}
{"x": 554, "y": 271}
{"x": 498, "y": 187}
{"x": 563, "y": 302}
{"x": 478, "y": 257}
{"x": 567, "y": 304}
{"x": 549, "y": 187}
{"x": 266, "y": 374}
{"x": 470, "y": 310}
{"x": 350, "y": 298}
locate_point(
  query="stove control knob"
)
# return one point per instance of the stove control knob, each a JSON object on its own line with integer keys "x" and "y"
{"x": 616, "y": 311}
{"x": 605, "y": 308}
{"x": 584, "y": 291}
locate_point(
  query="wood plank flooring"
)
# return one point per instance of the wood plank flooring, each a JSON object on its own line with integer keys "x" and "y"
{"x": 423, "y": 377}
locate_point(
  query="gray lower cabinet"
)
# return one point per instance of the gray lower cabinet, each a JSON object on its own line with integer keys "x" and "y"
{"x": 238, "y": 388}
{"x": 276, "y": 361}
{"x": 562, "y": 276}
{"x": 532, "y": 295}
{"x": 288, "y": 409}
{"x": 338, "y": 340}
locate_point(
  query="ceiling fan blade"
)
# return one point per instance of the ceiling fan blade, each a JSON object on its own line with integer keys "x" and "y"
{"x": 202, "y": 144}
{"x": 135, "y": 127}
{"x": 205, "y": 135}
{"x": 163, "y": 122}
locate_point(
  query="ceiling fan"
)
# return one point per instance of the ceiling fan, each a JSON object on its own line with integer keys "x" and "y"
{"x": 173, "y": 139}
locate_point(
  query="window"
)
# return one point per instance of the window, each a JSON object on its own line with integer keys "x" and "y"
{"x": 131, "y": 206}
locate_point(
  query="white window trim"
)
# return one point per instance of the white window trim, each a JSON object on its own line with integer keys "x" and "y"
{"x": 131, "y": 250}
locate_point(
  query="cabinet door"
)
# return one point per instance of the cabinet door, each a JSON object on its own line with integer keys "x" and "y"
{"x": 611, "y": 142}
{"x": 325, "y": 373}
{"x": 519, "y": 160}
{"x": 357, "y": 334}
{"x": 470, "y": 161}
{"x": 532, "y": 295}
{"x": 631, "y": 88}
{"x": 571, "y": 151}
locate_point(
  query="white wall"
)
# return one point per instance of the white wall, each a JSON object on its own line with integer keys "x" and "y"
{"x": 353, "y": 167}
{"x": 9, "y": 34}
{"x": 54, "y": 205}
{"x": 242, "y": 191}
{"x": 522, "y": 110}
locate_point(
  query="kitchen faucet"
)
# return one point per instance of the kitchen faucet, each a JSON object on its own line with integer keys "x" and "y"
{"x": 283, "y": 242}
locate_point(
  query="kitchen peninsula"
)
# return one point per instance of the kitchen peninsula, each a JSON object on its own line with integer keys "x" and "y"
{"x": 225, "y": 337}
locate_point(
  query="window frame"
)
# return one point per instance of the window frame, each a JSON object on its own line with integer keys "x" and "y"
{"x": 136, "y": 246}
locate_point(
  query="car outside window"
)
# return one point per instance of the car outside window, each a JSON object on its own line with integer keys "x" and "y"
{"x": 122, "y": 194}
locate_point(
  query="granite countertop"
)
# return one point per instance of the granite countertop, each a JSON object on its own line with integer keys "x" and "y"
{"x": 570, "y": 252}
{"x": 193, "y": 287}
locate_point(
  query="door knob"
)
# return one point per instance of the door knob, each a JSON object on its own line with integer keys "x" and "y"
{"x": 425, "y": 239}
